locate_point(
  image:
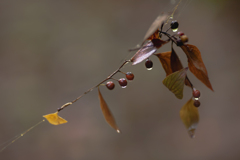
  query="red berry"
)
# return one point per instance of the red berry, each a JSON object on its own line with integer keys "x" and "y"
{"x": 122, "y": 82}
{"x": 196, "y": 93}
{"x": 149, "y": 64}
{"x": 110, "y": 85}
{"x": 196, "y": 103}
{"x": 129, "y": 76}
{"x": 180, "y": 33}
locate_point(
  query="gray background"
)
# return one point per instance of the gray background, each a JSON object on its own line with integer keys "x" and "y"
{"x": 52, "y": 51}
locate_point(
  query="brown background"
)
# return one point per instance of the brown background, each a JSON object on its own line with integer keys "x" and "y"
{"x": 52, "y": 51}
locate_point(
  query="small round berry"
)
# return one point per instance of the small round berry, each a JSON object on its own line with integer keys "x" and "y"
{"x": 174, "y": 24}
{"x": 149, "y": 64}
{"x": 110, "y": 85}
{"x": 122, "y": 82}
{"x": 180, "y": 33}
{"x": 196, "y": 103}
{"x": 184, "y": 38}
{"x": 196, "y": 93}
{"x": 179, "y": 42}
{"x": 129, "y": 76}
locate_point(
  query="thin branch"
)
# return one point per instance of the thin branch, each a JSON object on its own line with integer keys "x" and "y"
{"x": 89, "y": 90}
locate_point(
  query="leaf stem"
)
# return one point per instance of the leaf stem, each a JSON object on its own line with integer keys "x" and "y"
{"x": 89, "y": 90}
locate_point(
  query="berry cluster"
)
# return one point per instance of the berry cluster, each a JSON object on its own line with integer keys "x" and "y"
{"x": 122, "y": 81}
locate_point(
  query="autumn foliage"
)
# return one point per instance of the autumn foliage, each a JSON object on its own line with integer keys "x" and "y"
{"x": 176, "y": 74}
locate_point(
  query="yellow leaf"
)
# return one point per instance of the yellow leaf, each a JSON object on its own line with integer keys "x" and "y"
{"x": 175, "y": 82}
{"x": 107, "y": 113}
{"x": 190, "y": 117}
{"x": 54, "y": 119}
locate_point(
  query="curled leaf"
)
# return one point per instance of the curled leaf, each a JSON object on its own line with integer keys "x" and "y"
{"x": 175, "y": 82}
{"x": 196, "y": 65}
{"x": 190, "y": 117}
{"x": 143, "y": 53}
{"x": 54, "y": 119}
{"x": 107, "y": 113}
{"x": 154, "y": 26}
{"x": 171, "y": 63}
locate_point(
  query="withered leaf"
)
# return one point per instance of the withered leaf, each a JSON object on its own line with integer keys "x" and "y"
{"x": 171, "y": 63}
{"x": 54, "y": 119}
{"x": 196, "y": 65}
{"x": 154, "y": 26}
{"x": 175, "y": 82}
{"x": 190, "y": 117}
{"x": 107, "y": 113}
{"x": 143, "y": 53}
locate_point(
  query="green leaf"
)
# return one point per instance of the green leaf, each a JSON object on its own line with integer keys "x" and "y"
{"x": 190, "y": 117}
{"x": 175, "y": 82}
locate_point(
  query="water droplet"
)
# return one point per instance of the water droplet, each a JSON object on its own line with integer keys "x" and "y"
{"x": 124, "y": 86}
{"x": 149, "y": 69}
{"x": 118, "y": 131}
{"x": 175, "y": 30}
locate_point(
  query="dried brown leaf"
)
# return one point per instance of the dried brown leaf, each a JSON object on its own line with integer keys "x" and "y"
{"x": 171, "y": 63}
{"x": 143, "y": 53}
{"x": 107, "y": 113}
{"x": 190, "y": 117}
{"x": 196, "y": 65}
{"x": 154, "y": 26}
{"x": 175, "y": 82}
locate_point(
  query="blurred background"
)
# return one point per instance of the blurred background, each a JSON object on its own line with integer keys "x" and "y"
{"x": 53, "y": 51}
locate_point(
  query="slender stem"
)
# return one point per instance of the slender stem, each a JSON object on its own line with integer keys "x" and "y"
{"x": 89, "y": 90}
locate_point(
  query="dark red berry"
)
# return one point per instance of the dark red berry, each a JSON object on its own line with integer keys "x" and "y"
{"x": 196, "y": 93}
{"x": 122, "y": 82}
{"x": 110, "y": 85}
{"x": 174, "y": 24}
{"x": 196, "y": 103}
{"x": 149, "y": 64}
{"x": 129, "y": 76}
{"x": 180, "y": 33}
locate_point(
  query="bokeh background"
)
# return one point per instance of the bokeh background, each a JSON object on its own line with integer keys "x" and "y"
{"x": 53, "y": 51}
